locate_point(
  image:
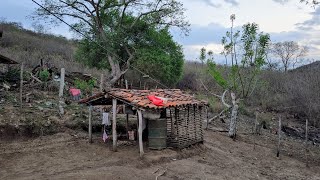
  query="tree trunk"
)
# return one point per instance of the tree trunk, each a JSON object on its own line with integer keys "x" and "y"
{"x": 234, "y": 117}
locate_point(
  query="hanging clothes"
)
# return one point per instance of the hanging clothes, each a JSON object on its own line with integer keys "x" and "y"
{"x": 105, "y": 119}
{"x": 104, "y": 135}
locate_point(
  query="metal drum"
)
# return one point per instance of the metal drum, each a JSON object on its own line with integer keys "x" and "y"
{"x": 157, "y": 130}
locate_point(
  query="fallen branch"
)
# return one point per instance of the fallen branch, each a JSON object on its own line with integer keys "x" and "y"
{"x": 221, "y": 97}
{"x": 205, "y": 87}
{"x": 35, "y": 78}
{"x": 161, "y": 174}
{"x": 217, "y": 116}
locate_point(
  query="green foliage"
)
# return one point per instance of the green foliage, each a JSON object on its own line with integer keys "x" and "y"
{"x": 44, "y": 75}
{"x": 85, "y": 86}
{"x": 118, "y": 34}
{"x": 210, "y": 56}
{"x": 159, "y": 56}
{"x": 251, "y": 49}
{"x": 217, "y": 75}
{"x": 156, "y": 53}
{"x": 203, "y": 55}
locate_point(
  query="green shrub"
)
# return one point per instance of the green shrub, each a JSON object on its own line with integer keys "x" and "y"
{"x": 85, "y": 86}
{"x": 44, "y": 75}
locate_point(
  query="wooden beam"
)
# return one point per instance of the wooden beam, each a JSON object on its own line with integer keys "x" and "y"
{"x": 140, "y": 133}
{"x": 114, "y": 124}
{"x": 90, "y": 124}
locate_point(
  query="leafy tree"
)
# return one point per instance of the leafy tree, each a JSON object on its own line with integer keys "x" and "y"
{"x": 155, "y": 52}
{"x": 210, "y": 56}
{"x": 202, "y": 55}
{"x": 243, "y": 75}
{"x": 289, "y": 53}
{"x": 115, "y": 25}
{"x": 160, "y": 56}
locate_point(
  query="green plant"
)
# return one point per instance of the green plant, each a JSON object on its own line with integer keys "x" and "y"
{"x": 85, "y": 86}
{"x": 44, "y": 75}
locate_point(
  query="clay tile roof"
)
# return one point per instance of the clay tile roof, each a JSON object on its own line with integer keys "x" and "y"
{"x": 139, "y": 98}
{"x": 175, "y": 97}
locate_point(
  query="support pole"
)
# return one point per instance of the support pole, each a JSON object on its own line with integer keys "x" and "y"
{"x": 101, "y": 82}
{"x": 126, "y": 81}
{"x": 127, "y": 125}
{"x": 140, "y": 133}
{"x": 207, "y": 118}
{"x": 21, "y": 84}
{"x": 279, "y": 137}
{"x": 114, "y": 124}
{"x": 90, "y": 124}
{"x": 255, "y": 130}
{"x": 307, "y": 164}
{"x": 61, "y": 102}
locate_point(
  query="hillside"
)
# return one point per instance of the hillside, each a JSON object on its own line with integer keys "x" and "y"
{"x": 27, "y": 46}
{"x": 315, "y": 66}
{"x": 36, "y": 142}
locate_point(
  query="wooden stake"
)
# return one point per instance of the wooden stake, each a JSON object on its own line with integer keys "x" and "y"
{"x": 306, "y": 143}
{"x": 140, "y": 133}
{"x": 279, "y": 137}
{"x": 101, "y": 83}
{"x": 255, "y": 130}
{"x": 126, "y": 81}
{"x": 90, "y": 124}
{"x": 21, "y": 84}
{"x": 127, "y": 125}
{"x": 61, "y": 110}
{"x": 207, "y": 118}
{"x": 114, "y": 124}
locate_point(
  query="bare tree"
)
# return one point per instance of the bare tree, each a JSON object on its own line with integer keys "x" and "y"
{"x": 312, "y": 2}
{"x": 289, "y": 52}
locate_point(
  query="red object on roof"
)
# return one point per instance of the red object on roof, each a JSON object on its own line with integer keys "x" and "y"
{"x": 155, "y": 100}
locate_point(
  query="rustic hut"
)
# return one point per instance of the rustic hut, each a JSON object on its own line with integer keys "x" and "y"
{"x": 179, "y": 117}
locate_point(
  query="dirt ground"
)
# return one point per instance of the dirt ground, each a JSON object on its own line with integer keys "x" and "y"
{"x": 68, "y": 155}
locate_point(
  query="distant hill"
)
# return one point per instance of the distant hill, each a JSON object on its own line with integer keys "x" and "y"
{"x": 315, "y": 66}
{"x": 30, "y": 47}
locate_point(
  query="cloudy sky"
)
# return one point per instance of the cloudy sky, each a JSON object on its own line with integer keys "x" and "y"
{"x": 284, "y": 20}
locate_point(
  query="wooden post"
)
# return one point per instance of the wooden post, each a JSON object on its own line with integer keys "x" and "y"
{"x": 101, "y": 83}
{"x": 140, "y": 133}
{"x": 127, "y": 125}
{"x": 279, "y": 137}
{"x": 255, "y": 130}
{"x": 114, "y": 124}
{"x": 207, "y": 118}
{"x": 126, "y": 81}
{"x": 307, "y": 143}
{"x": 61, "y": 111}
{"x": 21, "y": 84}
{"x": 90, "y": 124}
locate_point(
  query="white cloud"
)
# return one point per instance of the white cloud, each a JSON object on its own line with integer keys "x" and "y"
{"x": 283, "y": 2}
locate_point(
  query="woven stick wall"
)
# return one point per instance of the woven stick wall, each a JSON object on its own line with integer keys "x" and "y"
{"x": 184, "y": 126}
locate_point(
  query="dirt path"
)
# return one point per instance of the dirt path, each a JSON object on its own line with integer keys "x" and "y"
{"x": 69, "y": 156}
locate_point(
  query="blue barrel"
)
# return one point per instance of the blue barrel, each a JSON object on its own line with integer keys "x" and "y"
{"x": 157, "y": 130}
